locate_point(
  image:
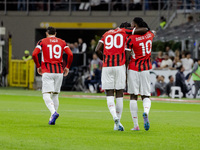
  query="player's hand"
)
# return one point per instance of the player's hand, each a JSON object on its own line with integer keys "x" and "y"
{"x": 66, "y": 71}
{"x": 39, "y": 70}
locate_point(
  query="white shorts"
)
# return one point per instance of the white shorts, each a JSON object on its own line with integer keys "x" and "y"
{"x": 51, "y": 82}
{"x": 113, "y": 77}
{"x": 139, "y": 82}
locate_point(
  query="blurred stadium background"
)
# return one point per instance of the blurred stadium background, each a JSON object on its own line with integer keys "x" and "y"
{"x": 23, "y": 23}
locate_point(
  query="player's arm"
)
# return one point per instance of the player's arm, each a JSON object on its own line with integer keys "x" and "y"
{"x": 36, "y": 51}
{"x": 69, "y": 59}
{"x": 138, "y": 31}
{"x": 99, "y": 50}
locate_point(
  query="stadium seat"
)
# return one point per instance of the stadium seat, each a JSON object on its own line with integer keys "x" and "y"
{"x": 176, "y": 92}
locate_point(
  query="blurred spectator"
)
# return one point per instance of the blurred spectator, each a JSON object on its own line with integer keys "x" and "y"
{"x": 162, "y": 22}
{"x": 169, "y": 52}
{"x": 76, "y": 46}
{"x": 73, "y": 48}
{"x": 159, "y": 58}
{"x": 177, "y": 53}
{"x": 160, "y": 86}
{"x": 166, "y": 63}
{"x": 177, "y": 62}
{"x": 196, "y": 77}
{"x": 95, "y": 78}
{"x": 92, "y": 45}
{"x": 21, "y": 5}
{"x": 95, "y": 61}
{"x": 187, "y": 62}
{"x": 180, "y": 80}
{"x": 81, "y": 45}
{"x": 169, "y": 85}
{"x": 27, "y": 55}
{"x": 183, "y": 54}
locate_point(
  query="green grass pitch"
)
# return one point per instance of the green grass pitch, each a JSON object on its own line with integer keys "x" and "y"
{"x": 86, "y": 124}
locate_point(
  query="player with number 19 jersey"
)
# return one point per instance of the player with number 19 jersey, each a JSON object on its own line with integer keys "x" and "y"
{"x": 52, "y": 54}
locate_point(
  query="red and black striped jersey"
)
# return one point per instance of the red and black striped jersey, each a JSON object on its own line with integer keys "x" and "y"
{"x": 114, "y": 46}
{"x": 52, "y": 49}
{"x": 140, "y": 47}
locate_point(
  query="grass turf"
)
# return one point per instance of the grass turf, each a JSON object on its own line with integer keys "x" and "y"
{"x": 87, "y": 124}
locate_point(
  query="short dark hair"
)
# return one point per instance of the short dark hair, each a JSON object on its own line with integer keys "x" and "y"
{"x": 157, "y": 76}
{"x": 51, "y": 30}
{"x": 179, "y": 68}
{"x": 163, "y": 76}
{"x": 125, "y": 25}
{"x": 187, "y": 53}
{"x": 170, "y": 77}
{"x": 140, "y": 22}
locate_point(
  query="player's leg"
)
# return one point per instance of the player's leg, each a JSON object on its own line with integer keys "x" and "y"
{"x": 134, "y": 111}
{"x": 111, "y": 103}
{"x": 49, "y": 103}
{"x": 58, "y": 78}
{"x": 47, "y": 89}
{"x": 120, "y": 83}
{"x": 55, "y": 100}
{"x": 146, "y": 104}
{"x": 133, "y": 89}
{"x": 145, "y": 94}
{"x": 119, "y": 103}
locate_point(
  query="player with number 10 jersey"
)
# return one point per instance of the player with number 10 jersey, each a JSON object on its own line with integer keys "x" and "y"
{"x": 139, "y": 51}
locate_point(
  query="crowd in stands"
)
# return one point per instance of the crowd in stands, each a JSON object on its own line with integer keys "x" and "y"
{"x": 100, "y": 4}
{"x": 174, "y": 61}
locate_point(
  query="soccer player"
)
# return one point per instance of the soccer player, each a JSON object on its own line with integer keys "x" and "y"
{"x": 51, "y": 69}
{"x": 111, "y": 49}
{"x": 139, "y": 48}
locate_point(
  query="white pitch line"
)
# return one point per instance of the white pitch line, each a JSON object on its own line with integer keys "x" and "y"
{"x": 99, "y": 111}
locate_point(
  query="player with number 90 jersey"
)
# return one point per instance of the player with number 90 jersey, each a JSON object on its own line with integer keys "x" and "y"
{"x": 140, "y": 47}
{"x": 114, "y": 46}
{"x": 52, "y": 54}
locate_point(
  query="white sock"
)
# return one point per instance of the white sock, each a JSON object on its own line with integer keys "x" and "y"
{"x": 49, "y": 103}
{"x": 55, "y": 101}
{"x": 134, "y": 110}
{"x": 146, "y": 105}
{"x": 111, "y": 106}
{"x": 119, "y": 106}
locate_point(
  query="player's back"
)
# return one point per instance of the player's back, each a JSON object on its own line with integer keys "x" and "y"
{"x": 52, "y": 49}
{"x": 141, "y": 46}
{"x": 114, "y": 47}
{"x": 52, "y": 54}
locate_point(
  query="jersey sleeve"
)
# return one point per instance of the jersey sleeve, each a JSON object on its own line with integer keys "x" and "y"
{"x": 102, "y": 39}
{"x": 69, "y": 56}
{"x": 36, "y": 51}
{"x": 39, "y": 45}
{"x": 128, "y": 44}
{"x": 129, "y": 31}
